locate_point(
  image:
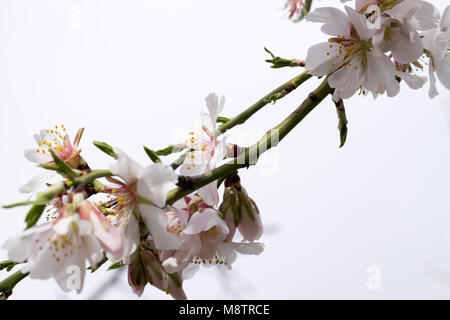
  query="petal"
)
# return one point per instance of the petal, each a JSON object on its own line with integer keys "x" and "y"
{"x": 381, "y": 75}
{"x": 323, "y": 59}
{"x": 443, "y": 71}
{"x": 156, "y": 221}
{"x": 404, "y": 48}
{"x": 106, "y": 234}
{"x": 92, "y": 250}
{"x": 360, "y": 23}
{"x": 126, "y": 168}
{"x": 37, "y": 181}
{"x": 255, "y": 248}
{"x": 209, "y": 194}
{"x": 37, "y": 157}
{"x": 445, "y": 21}
{"x": 156, "y": 181}
{"x": 336, "y": 21}
{"x": 412, "y": 80}
{"x": 205, "y": 220}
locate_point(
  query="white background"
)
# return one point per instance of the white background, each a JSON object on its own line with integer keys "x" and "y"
{"x": 136, "y": 72}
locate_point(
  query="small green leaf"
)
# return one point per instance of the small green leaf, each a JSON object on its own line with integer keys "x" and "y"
{"x": 152, "y": 155}
{"x": 115, "y": 265}
{"x": 62, "y": 165}
{"x": 34, "y": 214}
{"x": 179, "y": 161}
{"x": 106, "y": 148}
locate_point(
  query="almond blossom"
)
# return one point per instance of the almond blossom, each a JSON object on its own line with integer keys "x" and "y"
{"x": 140, "y": 197}
{"x": 78, "y": 234}
{"x": 200, "y": 229}
{"x": 57, "y": 140}
{"x": 350, "y": 57}
{"x": 206, "y": 150}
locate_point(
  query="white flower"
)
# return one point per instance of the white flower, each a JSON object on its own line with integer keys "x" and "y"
{"x": 437, "y": 43}
{"x": 57, "y": 140}
{"x": 151, "y": 183}
{"x": 59, "y": 249}
{"x": 200, "y": 229}
{"x": 206, "y": 149}
{"x": 351, "y": 59}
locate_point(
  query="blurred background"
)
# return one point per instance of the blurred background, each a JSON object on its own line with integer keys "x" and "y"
{"x": 368, "y": 221}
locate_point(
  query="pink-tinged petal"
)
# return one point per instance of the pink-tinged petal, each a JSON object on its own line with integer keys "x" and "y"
{"x": 215, "y": 108}
{"x": 426, "y": 16}
{"x": 126, "y": 168}
{"x": 220, "y": 151}
{"x": 37, "y": 181}
{"x": 188, "y": 169}
{"x": 381, "y": 75}
{"x": 92, "y": 249}
{"x": 443, "y": 71}
{"x": 227, "y": 253}
{"x": 106, "y": 234}
{"x": 18, "y": 247}
{"x": 129, "y": 233}
{"x": 205, "y": 220}
{"x": 347, "y": 81}
{"x": 156, "y": 181}
{"x": 209, "y": 193}
{"x": 323, "y": 59}
{"x": 360, "y": 23}
{"x": 38, "y": 157}
{"x": 255, "y": 248}
{"x": 71, "y": 275}
{"x": 190, "y": 271}
{"x": 413, "y": 81}
{"x": 190, "y": 247}
{"x": 156, "y": 221}
{"x": 336, "y": 22}
{"x": 250, "y": 229}
{"x": 404, "y": 48}
{"x": 445, "y": 21}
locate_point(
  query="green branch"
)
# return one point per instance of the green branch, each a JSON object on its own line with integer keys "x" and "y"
{"x": 273, "y": 96}
{"x": 7, "y": 285}
{"x": 251, "y": 154}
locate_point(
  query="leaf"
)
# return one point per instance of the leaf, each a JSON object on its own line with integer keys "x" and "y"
{"x": 152, "y": 155}
{"x": 62, "y": 165}
{"x": 34, "y": 214}
{"x": 106, "y": 148}
{"x": 115, "y": 265}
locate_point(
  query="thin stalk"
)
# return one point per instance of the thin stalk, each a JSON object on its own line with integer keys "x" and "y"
{"x": 273, "y": 96}
{"x": 251, "y": 154}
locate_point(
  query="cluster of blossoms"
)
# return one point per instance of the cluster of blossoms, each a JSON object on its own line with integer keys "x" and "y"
{"x": 127, "y": 220}
{"x": 163, "y": 221}
{"x": 379, "y": 43}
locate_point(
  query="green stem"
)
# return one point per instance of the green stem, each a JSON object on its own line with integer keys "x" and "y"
{"x": 273, "y": 96}
{"x": 251, "y": 154}
{"x": 7, "y": 285}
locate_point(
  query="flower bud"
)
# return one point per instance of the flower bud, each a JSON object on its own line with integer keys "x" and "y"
{"x": 250, "y": 226}
{"x": 136, "y": 275}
